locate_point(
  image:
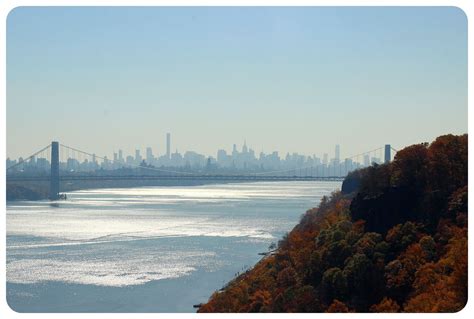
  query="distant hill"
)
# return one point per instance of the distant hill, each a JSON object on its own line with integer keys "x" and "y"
{"x": 393, "y": 240}
{"x": 18, "y": 192}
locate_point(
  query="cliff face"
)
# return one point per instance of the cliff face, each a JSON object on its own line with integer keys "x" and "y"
{"x": 394, "y": 240}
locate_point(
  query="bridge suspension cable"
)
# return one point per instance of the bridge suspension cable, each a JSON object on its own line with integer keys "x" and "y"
{"x": 133, "y": 165}
{"x": 29, "y": 157}
{"x": 368, "y": 152}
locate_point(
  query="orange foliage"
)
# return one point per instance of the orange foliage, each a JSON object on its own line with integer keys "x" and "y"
{"x": 337, "y": 306}
{"x": 386, "y": 305}
{"x": 442, "y": 286}
{"x": 330, "y": 262}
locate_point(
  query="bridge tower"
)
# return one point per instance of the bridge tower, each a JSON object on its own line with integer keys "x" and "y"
{"x": 388, "y": 155}
{"x": 54, "y": 186}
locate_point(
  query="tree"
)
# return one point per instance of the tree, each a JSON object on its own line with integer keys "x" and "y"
{"x": 260, "y": 301}
{"x": 386, "y": 305}
{"x": 428, "y": 246}
{"x": 364, "y": 281}
{"x": 336, "y": 253}
{"x": 287, "y": 277}
{"x": 338, "y": 306}
{"x": 367, "y": 244}
{"x": 410, "y": 167}
{"x": 400, "y": 273}
{"x": 402, "y": 235}
{"x": 333, "y": 285}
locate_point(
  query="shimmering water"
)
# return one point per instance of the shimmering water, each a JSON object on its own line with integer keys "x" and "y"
{"x": 148, "y": 249}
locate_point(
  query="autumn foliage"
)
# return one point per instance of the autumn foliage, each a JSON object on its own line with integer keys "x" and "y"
{"x": 394, "y": 240}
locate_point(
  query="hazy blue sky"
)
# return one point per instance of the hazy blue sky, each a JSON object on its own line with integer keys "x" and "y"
{"x": 287, "y": 79}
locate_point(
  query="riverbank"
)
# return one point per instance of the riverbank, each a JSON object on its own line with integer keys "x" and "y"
{"x": 395, "y": 240}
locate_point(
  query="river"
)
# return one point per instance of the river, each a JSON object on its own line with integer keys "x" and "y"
{"x": 150, "y": 249}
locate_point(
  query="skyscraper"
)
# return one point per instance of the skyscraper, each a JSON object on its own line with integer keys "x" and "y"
{"x": 149, "y": 155}
{"x": 138, "y": 157}
{"x": 168, "y": 145}
{"x": 338, "y": 154}
{"x": 366, "y": 160}
{"x": 244, "y": 148}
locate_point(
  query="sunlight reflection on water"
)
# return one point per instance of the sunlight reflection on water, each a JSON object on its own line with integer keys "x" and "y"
{"x": 121, "y": 237}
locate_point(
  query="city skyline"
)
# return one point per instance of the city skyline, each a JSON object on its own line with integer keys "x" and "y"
{"x": 246, "y": 160}
{"x": 160, "y": 148}
{"x": 150, "y": 154}
{"x": 287, "y": 79}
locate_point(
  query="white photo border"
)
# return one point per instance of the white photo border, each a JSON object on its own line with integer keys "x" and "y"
{"x": 6, "y": 6}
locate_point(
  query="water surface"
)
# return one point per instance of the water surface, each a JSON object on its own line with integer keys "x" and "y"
{"x": 153, "y": 249}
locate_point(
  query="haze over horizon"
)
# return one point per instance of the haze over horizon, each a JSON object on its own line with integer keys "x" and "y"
{"x": 283, "y": 79}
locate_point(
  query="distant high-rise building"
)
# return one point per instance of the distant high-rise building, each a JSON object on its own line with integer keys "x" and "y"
{"x": 221, "y": 157}
{"x": 244, "y": 148}
{"x": 105, "y": 163}
{"x": 338, "y": 154}
{"x": 366, "y": 160}
{"x": 176, "y": 159}
{"x": 347, "y": 166}
{"x": 120, "y": 156}
{"x": 138, "y": 157}
{"x": 325, "y": 158}
{"x": 168, "y": 145}
{"x": 235, "y": 153}
{"x": 149, "y": 155}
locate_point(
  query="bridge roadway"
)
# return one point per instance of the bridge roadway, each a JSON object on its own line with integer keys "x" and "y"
{"x": 253, "y": 178}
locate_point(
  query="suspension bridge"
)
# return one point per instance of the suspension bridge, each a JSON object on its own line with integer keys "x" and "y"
{"x": 54, "y": 158}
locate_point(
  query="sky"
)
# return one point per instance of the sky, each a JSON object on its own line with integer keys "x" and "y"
{"x": 287, "y": 79}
